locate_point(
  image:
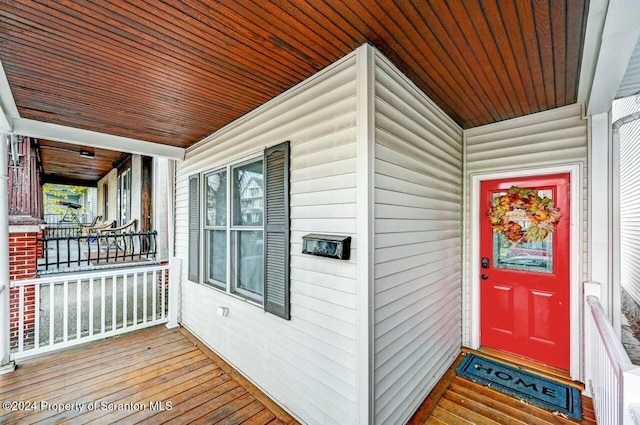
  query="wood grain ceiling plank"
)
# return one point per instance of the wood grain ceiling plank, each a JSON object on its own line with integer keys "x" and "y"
{"x": 146, "y": 58}
{"x": 576, "y": 24}
{"x": 211, "y": 45}
{"x": 545, "y": 47}
{"x": 558, "y": 33}
{"x": 505, "y": 34}
{"x": 359, "y": 23}
{"x": 329, "y": 22}
{"x": 182, "y": 140}
{"x": 381, "y": 22}
{"x": 316, "y": 36}
{"x": 89, "y": 47}
{"x": 31, "y": 50}
{"x": 284, "y": 37}
{"x": 510, "y": 18}
{"x": 441, "y": 62}
{"x": 485, "y": 38}
{"x": 459, "y": 52}
{"x": 255, "y": 39}
{"x": 92, "y": 97}
{"x": 461, "y": 17}
{"x": 528, "y": 29}
{"x": 71, "y": 98}
{"x": 142, "y": 43}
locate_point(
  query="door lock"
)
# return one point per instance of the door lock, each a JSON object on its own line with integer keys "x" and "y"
{"x": 485, "y": 262}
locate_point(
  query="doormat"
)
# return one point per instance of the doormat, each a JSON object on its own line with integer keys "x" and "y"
{"x": 535, "y": 389}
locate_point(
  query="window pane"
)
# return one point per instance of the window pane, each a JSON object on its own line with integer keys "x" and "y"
{"x": 216, "y": 185}
{"x": 217, "y": 248}
{"x": 250, "y": 270}
{"x": 523, "y": 255}
{"x": 248, "y": 192}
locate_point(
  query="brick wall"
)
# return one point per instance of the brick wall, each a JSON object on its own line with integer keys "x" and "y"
{"x": 23, "y": 258}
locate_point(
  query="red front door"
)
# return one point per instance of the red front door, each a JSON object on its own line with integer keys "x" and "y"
{"x": 525, "y": 285}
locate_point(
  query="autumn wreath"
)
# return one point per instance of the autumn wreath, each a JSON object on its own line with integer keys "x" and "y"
{"x": 523, "y": 205}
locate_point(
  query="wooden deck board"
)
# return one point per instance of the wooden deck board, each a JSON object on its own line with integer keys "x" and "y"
{"x": 456, "y": 400}
{"x": 127, "y": 373}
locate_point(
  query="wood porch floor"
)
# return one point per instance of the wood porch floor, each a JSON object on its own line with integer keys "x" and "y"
{"x": 458, "y": 401}
{"x": 129, "y": 379}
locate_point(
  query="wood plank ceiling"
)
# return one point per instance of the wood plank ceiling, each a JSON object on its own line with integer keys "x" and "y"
{"x": 172, "y": 72}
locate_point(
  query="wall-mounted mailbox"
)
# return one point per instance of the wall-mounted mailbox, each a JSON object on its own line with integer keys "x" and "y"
{"x": 331, "y": 246}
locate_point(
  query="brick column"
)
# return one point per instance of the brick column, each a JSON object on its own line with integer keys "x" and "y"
{"x": 23, "y": 259}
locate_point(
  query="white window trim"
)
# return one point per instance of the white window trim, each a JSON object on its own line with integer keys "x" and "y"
{"x": 230, "y": 228}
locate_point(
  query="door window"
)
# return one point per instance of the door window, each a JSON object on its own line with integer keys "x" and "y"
{"x": 523, "y": 255}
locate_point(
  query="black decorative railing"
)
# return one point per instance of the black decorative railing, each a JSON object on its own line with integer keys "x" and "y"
{"x": 95, "y": 250}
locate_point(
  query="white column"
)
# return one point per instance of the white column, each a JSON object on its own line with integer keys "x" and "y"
{"x": 600, "y": 207}
{"x": 5, "y": 364}
{"x": 175, "y": 276}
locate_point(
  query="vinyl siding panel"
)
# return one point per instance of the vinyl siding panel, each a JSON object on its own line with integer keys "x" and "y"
{"x": 307, "y": 364}
{"x": 554, "y": 137}
{"x": 417, "y": 239}
{"x": 629, "y": 197}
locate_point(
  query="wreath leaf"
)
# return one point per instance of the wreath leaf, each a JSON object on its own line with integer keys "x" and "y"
{"x": 541, "y": 213}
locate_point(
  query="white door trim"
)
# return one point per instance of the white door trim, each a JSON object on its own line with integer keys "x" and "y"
{"x": 575, "y": 254}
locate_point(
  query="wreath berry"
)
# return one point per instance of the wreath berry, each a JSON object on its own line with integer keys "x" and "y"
{"x": 541, "y": 213}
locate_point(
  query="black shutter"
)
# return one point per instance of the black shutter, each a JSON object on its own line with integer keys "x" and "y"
{"x": 194, "y": 228}
{"x": 276, "y": 230}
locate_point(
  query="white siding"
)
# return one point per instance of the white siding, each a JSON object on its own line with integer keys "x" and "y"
{"x": 418, "y": 238}
{"x": 548, "y": 138}
{"x": 629, "y": 196}
{"x": 307, "y": 364}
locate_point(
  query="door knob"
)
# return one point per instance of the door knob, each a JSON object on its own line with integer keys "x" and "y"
{"x": 485, "y": 276}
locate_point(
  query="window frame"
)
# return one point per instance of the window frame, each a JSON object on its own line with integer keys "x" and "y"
{"x": 232, "y": 252}
{"x": 206, "y": 228}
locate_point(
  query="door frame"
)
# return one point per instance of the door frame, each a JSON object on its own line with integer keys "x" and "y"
{"x": 575, "y": 254}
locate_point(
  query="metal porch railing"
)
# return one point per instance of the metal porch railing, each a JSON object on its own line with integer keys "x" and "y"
{"x": 83, "y": 252}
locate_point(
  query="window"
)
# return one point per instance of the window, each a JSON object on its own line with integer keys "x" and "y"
{"x": 124, "y": 196}
{"x": 105, "y": 201}
{"x": 246, "y": 229}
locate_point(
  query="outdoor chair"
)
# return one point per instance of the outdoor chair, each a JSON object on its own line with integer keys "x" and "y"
{"x": 95, "y": 228}
{"x": 112, "y": 237}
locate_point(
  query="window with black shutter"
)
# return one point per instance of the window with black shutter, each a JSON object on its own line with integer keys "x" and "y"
{"x": 246, "y": 229}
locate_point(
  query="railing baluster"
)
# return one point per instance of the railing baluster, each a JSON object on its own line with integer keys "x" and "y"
{"x": 124, "y": 300}
{"x": 145, "y": 298}
{"x": 163, "y": 293}
{"x": 90, "y": 306}
{"x": 114, "y": 302}
{"x": 135, "y": 299}
{"x": 155, "y": 295}
{"x": 51, "y": 314}
{"x": 78, "y": 308}
{"x": 102, "y": 305}
{"x": 36, "y": 335}
{"x": 65, "y": 314}
{"x": 21, "y": 319}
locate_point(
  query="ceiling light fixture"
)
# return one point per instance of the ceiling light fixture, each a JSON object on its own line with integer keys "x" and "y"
{"x": 87, "y": 154}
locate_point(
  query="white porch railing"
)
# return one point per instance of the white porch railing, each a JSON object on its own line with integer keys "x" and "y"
{"x": 61, "y": 311}
{"x": 614, "y": 382}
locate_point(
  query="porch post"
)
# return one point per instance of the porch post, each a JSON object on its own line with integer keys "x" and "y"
{"x": 175, "y": 271}
{"x": 600, "y": 209}
{"x": 6, "y": 365}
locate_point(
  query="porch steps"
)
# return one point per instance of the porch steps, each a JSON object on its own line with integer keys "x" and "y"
{"x": 456, "y": 400}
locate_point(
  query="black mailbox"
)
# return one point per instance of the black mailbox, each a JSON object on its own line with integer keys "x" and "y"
{"x": 327, "y": 246}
